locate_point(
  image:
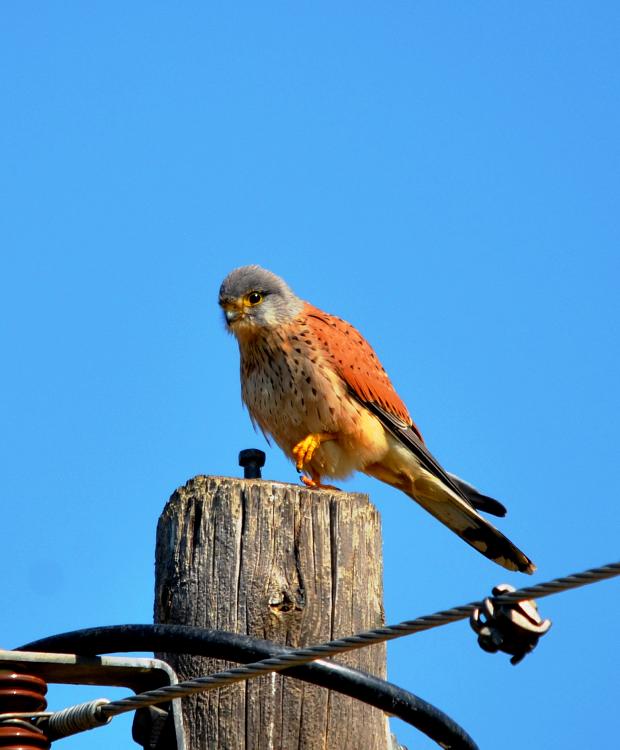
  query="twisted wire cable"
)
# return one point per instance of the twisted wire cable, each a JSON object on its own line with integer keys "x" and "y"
{"x": 349, "y": 643}
{"x": 242, "y": 649}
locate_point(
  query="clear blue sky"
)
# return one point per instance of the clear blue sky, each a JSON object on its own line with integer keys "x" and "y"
{"x": 443, "y": 175}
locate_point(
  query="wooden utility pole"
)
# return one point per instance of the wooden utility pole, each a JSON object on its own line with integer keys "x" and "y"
{"x": 283, "y": 563}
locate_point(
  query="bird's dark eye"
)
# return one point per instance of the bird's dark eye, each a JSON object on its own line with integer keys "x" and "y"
{"x": 254, "y": 298}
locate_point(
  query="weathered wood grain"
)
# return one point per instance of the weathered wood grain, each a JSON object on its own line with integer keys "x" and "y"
{"x": 279, "y": 562}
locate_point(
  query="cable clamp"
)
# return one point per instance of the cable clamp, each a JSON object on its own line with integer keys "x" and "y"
{"x": 513, "y": 627}
{"x": 76, "y": 719}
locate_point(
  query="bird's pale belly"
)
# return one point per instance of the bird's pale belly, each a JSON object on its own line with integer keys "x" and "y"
{"x": 290, "y": 403}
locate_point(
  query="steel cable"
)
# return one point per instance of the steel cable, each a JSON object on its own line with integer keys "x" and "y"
{"x": 217, "y": 644}
{"x": 349, "y": 643}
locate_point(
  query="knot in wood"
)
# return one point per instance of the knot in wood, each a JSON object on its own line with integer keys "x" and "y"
{"x": 283, "y": 602}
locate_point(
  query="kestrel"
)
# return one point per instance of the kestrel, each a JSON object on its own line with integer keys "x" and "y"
{"x": 312, "y": 382}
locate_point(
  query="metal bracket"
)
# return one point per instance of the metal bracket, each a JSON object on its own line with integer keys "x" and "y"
{"x": 154, "y": 729}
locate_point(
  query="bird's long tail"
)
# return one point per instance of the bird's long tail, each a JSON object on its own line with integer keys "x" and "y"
{"x": 448, "y": 499}
{"x": 465, "y": 521}
{"x": 412, "y": 468}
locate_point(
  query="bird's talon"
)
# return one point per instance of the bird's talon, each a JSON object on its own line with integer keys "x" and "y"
{"x": 315, "y": 484}
{"x": 304, "y": 450}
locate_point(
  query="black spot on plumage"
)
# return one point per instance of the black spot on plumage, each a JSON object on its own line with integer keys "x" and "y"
{"x": 492, "y": 546}
{"x": 288, "y": 369}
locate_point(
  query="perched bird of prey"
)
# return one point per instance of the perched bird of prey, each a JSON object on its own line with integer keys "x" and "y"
{"x": 312, "y": 382}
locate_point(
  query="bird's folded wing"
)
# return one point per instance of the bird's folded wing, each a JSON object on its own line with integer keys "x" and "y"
{"x": 354, "y": 359}
{"x": 411, "y": 440}
{"x": 408, "y": 437}
{"x": 356, "y": 362}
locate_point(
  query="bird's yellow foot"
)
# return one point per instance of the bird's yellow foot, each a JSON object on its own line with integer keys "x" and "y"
{"x": 314, "y": 483}
{"x": 305, "y": 449}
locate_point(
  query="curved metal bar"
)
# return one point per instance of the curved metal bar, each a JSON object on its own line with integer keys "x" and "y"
{"x": 183, "y": 639}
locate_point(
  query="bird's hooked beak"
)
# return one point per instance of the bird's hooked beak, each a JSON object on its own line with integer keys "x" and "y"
{"x": 233, "y": 310}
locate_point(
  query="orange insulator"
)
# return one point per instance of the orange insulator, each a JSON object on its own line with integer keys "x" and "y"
{"x": 20, "y": 736}
{"x": 21, "y": 693}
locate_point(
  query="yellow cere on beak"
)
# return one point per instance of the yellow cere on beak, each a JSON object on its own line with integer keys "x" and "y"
{"x": 233, "y": 310}
{"x": 236, "y": 309}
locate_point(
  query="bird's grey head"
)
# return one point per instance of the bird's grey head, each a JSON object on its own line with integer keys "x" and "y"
{"x": 254, "y": 300}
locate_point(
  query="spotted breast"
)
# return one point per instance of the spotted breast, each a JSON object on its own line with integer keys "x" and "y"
{"x": 291, "y": 390}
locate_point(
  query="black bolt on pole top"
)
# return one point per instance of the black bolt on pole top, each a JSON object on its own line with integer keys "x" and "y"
{"x": 252, "y": 459}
